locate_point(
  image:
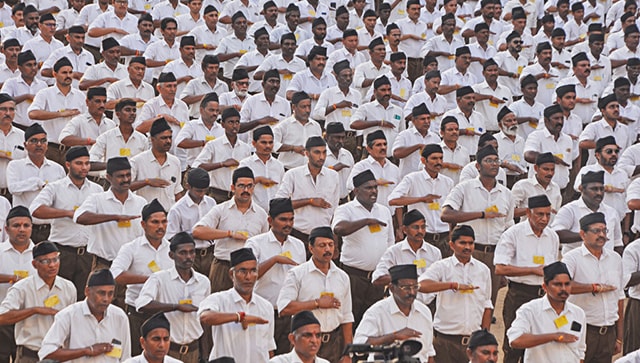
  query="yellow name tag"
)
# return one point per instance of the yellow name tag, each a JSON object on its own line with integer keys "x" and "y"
{"x": 21, "y": 273}
{"x": 242, "y": 51}
{"x": 401, "y": 12}
{"x": 582, "y": 36}
{"x": 125, "y": 151}
{"x": 538, "y": 260}
{"x": 116, "y": 352}
{"x": 471, "y": 129}
{"x": 533, "y": 125}
{"x": 403, "y": 92}
{"x": 209, "y": 138}
{"x": 1, "y": 24}
{"x": 139, "y": 104}
{"x": 551, "y": 86}
{"x": 297, "y": 36}
{"x": 346, "y": 113}
{"x": 147, "y": 6}
{"x": 375, "y": 228}
{"x": 452, "y": 57}
{"x": 559, "y": 156}
{"x": 490, "y": 42}
{"x": 634, "y": 98}
{"x": 8, "y": 153}
{"x": 520, "y": 68}
{"x": 421, "y": 263}
{"x": 244, "y": 233}
{"x": 287, "y": 77}
{"x": 493, "y": 208}
{"x": 75, "y": 207}
{"x": 153, "y": 266}
{"x": 326, "y": 293}
{"x": 515, "y": 157}
{"x": 423, "y": 36}
{"x": 470, "y": 291}
{"x": 312, "y": 12}
{"x": 286, "y": 254}
{"x": 597, "y": 78}
{"x": 561, "y": 321}
{"x": 51, "y": 301}
{"x": 124, "y": 224}
{"x": 185, "y": 302}
{"x": 493, "y": 104}
{"x": 182, "y": 124}
{"x": 434, "y": 206}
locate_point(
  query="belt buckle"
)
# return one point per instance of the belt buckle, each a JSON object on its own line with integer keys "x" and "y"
{"x": 487, "y": 249}
{"x": 203, "y": 252}
{"x": 465, "y": 341}
{"x": 540, "y": 292}
{"x": 80, "y": 251}
{"x": 184, "y": 349}
{"x": 603, "y": 330}
{"x": 326, "y": 337}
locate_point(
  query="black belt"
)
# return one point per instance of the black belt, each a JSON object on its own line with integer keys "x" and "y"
{"x": 484, "y": 248}
{"x": 528, "y": 289}
{"x": 602, "y": 330}
{"x": 77, "y": 250}
{"x": 131, "y": 310}
{"x": 184, "y": 348}
{"x": 458, "y": 339}
{"x": 357, "y": 272}
{"x": 4, "y": 191}
{"x": 220, "y": 191}
{"x": 104, "y": 261}
{"x": 40, "y": 227}
{"x": 217, "y": 260}
{"x": 349, "y": 133}
{"x": 60, "y": 147}
{"x": 326, "y": 337}
{"x": 204, "y": 251}
{"x": 413, "y": 58}
{"x": 26, "y": 352}
{"x": 435, "y": 237}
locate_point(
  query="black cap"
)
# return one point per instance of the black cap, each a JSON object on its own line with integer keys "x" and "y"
{"x": 4, "y": 97}
{"x": 631, "y": 29}
{"x": 241, "y": 255}
{"x": 604, "y": 101}
{"x": 340, "y": 66}
{"x": 528, "y": 79}
{"x": 223, "y": 360}
{"x": 18, "y": 211}
{"x": 341, "y": 10}
{"x": 397, "y": 56}
{"x": 543, "y": 46}
{"x": 278, "y": 206}
{"x": 140, "y": 60}
{"x": 488, "y": 63}
{"x": 538, "y": 201}
{"x": 552, "y": 110}
{"x": 375, "y": 42}
{"x": 463, "y": 91}
{"x": 558, "y": 32}
{"x": 577, "y": 6}
{"x": 419, "y": 110}
{"x": 579, "y": 57}
{"x": 187, "y": 40}
{"x": 43, "y": 248}
{"x": 238, "y": 15}
{"x": 229, "y": 112}
{"x": 591, "y": 218}
{"x": 198, "y": 178}
{"x": 597, "y": 37}
{"x": 153, "y": 207}
{"x": 318, "y": 21}
{"x": 158, "y": 126}
{"x": 239, "y": 73}
{"x": 102, "y": 277}
{"x": 480, "y": 27}
{"x": 433, "y": 74}
{"x": 109, "y": 43}
{"x": 392, "y": 26}
{"x": 317, "y": 51}
{"x": 303, "y": 318}
{"x": 264, "y": 130}
{"x": 412, "y": 217}
{"x": 381, "y": 81}
{"x": 96, "y": 91}
{"x": 513, "y": 35}
{"x": 156, "y": 321}
{"x": 462, "y": 50}
{"x": 563, "y": 90}
{"x": 12, "y": 42}
{"x": 314, "y": 141}
{"x": 209, "y": 9}
{"x": 621, "y": 82}
{"x": 260, "y": 32}
{"x": 325, "y": 232}
{"x": 242, "y": 172}
{"x": 431, "y": 149}
{"x": 46, "y": 17}
{"x": 503, "y": 112}
{"x": 25, "y": 57}
{"x": 349, "y": 33}
{"x": 272, "y": 73}
{"x": 299, "y": 96}
{"x": 480, "y": 338}
{"x": 544, "y": 158}
{"x": 632, "y": 62}
{"x": 604, "y": 141}
{"x": 34, "y": 129}
{"x": 400, "y": 272}
{"x": 180, "y": 238}
{"x": 554, "y": 269}
{"x": 376, "y": 135}
{"x": 209, "y": 97}
{"x": 62, "y": 62}
{"x": 166, "y": 77}
{"x": 334, "y": 128}
{"x": 485, "y": 138}
{"x": 518, "y": 13}
{"x": 484, "y": 152}
{"x": 117, "y": 163}
{"x": 363, "y": 177}
{"x": 428, "y": 60}
{"x": 289, "y": 36}
{"x": 447, "y": 16}
{"x": 75, "y": 152}
{"x": 592, "y": 177}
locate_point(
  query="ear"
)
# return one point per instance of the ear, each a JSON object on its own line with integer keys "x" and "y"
{"x": 292, "y": 339}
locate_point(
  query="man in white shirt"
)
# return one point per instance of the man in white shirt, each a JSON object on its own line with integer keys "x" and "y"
{"x": 277, "y": 252}
{"x": 24, "y": 87}
{"x": 463, "y": 284}
{"x": 539, "y": 183}
{"x": 521, "y": 253}
{"x": 185, "y": 68}
{"x": 32, "y": 302}
{"x": 108, "y": 71}
{"x": 444, "y": 46}
{"x": 163, "y": 51}
{"x": 457, "y": 76}
{"x": 546, "y": 76}
{"x": 155, "y": 335}
{"x": 510, "y": 146}
{"x": 338, "y": 159}
{"x": 455, "y": 156}
{"x": 550, "y": 327}
{"x": 471, "y": 124}
{"x": 265, "y": 108}
{"x": 11, "y": 141}
{"x": 400, "y": 317}
{"x": 241, "y": 321}
{"x": 132, "y": 87}
{"x": 44, "y": 43}
{"x": 528, "y": 110}
{"x": 375, "y": 67}
{"x": 234, "y": 45}
{"x": 483, "y": 347}
{"x": 85, "y": 128}
{"x": 116, "y": 22}
{"x": 286, "y": 63}
{"x": 197, "y": 133}
{"x": 199, "y": 87}
{"x": 598, "y": 288}
{"x": 306, "y": 339}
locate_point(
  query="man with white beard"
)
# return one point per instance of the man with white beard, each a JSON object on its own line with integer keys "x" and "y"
{"x": 510, "y": 146}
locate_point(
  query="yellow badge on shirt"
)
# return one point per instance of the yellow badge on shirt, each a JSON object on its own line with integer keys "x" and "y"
{"x": 244, "y": 233}
{"x": 125, "y": 151}
{"x": 634, "y": 98}
{"x": 8, "y": 153}
{"x": 470, "y": 291}
{"x": 520, "y": 68}
{"x": 421, "y": 263}
{"x": 147, "y": 6}
{"x": 493, "y": 208}
{"x": 452, "y": 57}
{"x": 1, "y": 24}
{"x": 346, "y": 113}
{"x": 153, "y": 266}
{"x": 286, "y": 254}
{"x": 75, "y": 207}
{"x": 561, "y": 321}
{"x": 116, "y": 352}
{"x": 21, "y": 273}
{"x": 423, "y": 36}
{"x": 551, "y": 86}
{"x": 185, "y": 302}
{"x": 538, "y": 260}
{"x": 297, "y": 36}
{"x": 312, "y": 12}
{"x": 401, "y": 12}
{"x": 403, "y": 92}
{"x": 515, "y": 157}
{"x": 533, "y": 125}
{"x": 51, "y": 301}
{"x": 597, "y": 78}
{"x": 209, "y": 138}
{"x": 124, "y": 224}
{"x": 287, "y": 77}
{"x": 139, "y": 104}
{"x": 326, "y": 293}
{"x": 242, "y": 51}
{"x": 582, "y": 36}
{"x": 182, "y": 124}
{"x": 559, "y": 156}
{"x": 434, "y": 206}
{"x": 471, "y": 129}
{"x": 375, "y": 228}
{"x": 493, "y": 104}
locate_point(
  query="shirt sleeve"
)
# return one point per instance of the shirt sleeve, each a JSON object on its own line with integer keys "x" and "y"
{"x": 18, "y": 185}
{"x": 505, "y": 249}
{"x": 13, "y": 300}
{"x": 123, "y": 260}
{"x": 521, "y": 325}
{"x": 455, "y": 197}
{"x": 149, "y": 291}
{"x": 288, "y": 292}
{"x": 367, "y": 328}
{"x": 89, "y": 205}
{"x": 57, "y": 334}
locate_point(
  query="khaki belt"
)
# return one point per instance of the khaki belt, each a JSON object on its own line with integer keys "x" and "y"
{"x": 485, "y": 248}
{"x": 184, "y": 348}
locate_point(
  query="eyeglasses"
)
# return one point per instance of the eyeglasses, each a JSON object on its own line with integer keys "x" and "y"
{"x": 409, "y": 288}
{"x": 245, "y": 186}
{"x": 492, "y": 161}
{"x": 608, "y": 151}
{"x": 242, "y": 83}
{"x": 598, "y": 230}
{"x": 37, "y": 141}
{"x": 517, "y": 42}
{"x": 50, "y": 25}
{"x": 49, "y": 261}
{"x": 7, "y": 109}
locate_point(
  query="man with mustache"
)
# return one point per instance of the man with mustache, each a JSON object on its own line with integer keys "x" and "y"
{"x": 315, "y": 79}
{"x": 319, "y": 286}
{"x": 155, "y": 173}
{"x": 155, "y": 339}
{"x": 527, "y": 109}
{"x": 108, "y": 71}
{"x": 233, "y": 46}
{"x": 11, "y": 144}
{"x": 338, "y": 158}
{"x": 140, "y": 258}
{"x": 239, "y": 91}
{"x": 286, "y": 63}
{"x": 29, "y": 30}
{"x": 587, "y": 91}
{"x": 266, "y": 107}
{"x": 483, "y": 347}
{"x": 73, "y": 334}
{"x": 185, "y": 68}
{"x": 512, "y": 62}
{"x": 551, "y": 328}
{"x": 510, "y": 146}
{"x": 24, "y": 87}
{"x": 26, "y": 177}
{"x": 521, "y": 253}
{"x": 454, "y": 155}
{"x": 74, "y": 50}
{"x": 457, "y": 77}
{"x": 400, "y": 317}
{"x": 471, "y": 123}
{"x": 57, "y": 201}
{"x": 32, "y": 302}
{"x": 367, "y": 72}
{"x": 251, "y": 60}
{"x": 319, "y": 31}
{"x": 9, "y": 68}
{"x": 491, "y": 95}
{"x": 567, "y": 221}
{"x": 598, "y": 288}
{"x": 277, "y": 252}
{"x": 463, "y": 284}
{"x": 198, "y": 88}
{"x": 84, "y": 129}
{"x": 425, "y": 191}
{"x": 268, "y": 170}
{"x": 545, "y": 75}
{"x": 306, "y": 339}
{"x": 539, "y": 183}
{"x": 177, "y": 292}
{"x": 131, "y": 87}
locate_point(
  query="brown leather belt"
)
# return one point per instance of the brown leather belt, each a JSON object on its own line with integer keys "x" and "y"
{"x": 204, "y": 251}
{"x": 60, "y": 147}
{"x": 357, "y": 272}
{"x": 458, "y": 339}
{"x": 26, "y": 352}
{"x": 435, "y": 237}
{"x": 184, "y": 348}
{"x": 75, "y": 250}
{"x": 528, "y": 289}
{"x": 602, "y": 330}
{"x": 485, "y": 248}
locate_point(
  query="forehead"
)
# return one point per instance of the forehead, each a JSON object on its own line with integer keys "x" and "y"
{"x": 246, "y": 265}
{"x": 19, "y": 220}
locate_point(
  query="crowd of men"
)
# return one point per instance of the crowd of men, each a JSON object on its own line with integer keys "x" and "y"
{"x": 263, "y": 181}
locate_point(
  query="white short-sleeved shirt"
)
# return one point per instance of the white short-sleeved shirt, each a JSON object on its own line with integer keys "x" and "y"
{"x": 475, "y": 122}
{"x": 546, "y": 86}
{"x": 453, "y": 76}
{"x": 332, "y": 96}
{"x": 388, "y": 171}
{"x": 252, "y": 58}
{"x": 112, "y": 144}
{"x": 85, "y": 126}
{"x": 199, "y": 87}
{"x": 146, "y": 166}
{"x": 80, "y": 61}
{"x": 306, "y": 81}
{"x": 197, "y": 130}
{"x": 12, "y": 144}
{"x": 511, "y": 151}
{"x": 161, "y": 51}
{"x": 489, "y": 109}
{"x": 367, "y": 70}
{"x": 306, "y": 282}
{"x": 375, "y": 111}
{"x": 470, "y": 171}
{"x": 293, "y": 357}
{"x": 276, "y": 61}
{"x": 618, "y": 178}
{"x": 16, "y": 87}
{"x": 264, "y": 247}
{"x": 411, "y": 137}
{"x": 345, "y": 158}
{"x": 599, "y": 129}
{"x": 87, "y": 15}
{"x": 459, "y": 155}
{"x": 290, "y": 131}
{"x": 538, "y": 317}
{"x": 109, "y": 19}
{"x": 245, "y": 345}
{"x": 633, "y": 192}
{"x": 76, "y": 328}
{"x": 524, "y": 189}
{"x": 257, "y": 106}
{"x": 272, "y": 169}
{"x": 185, "y": 214}
{"x": 217, "y": 151}
{"x": 522, "y": 109}
{"x": 53, "y": 100}
{"x": 543, "y": 141}
{"x": 630, "y": 264}
{"x": 204, "y": 35}
{"x": 11, "y": 260}
{"x": 102, "y": 70}
{"x": 181, "y": 69}
{"x": 460, "y": 312}
{"x": 124, "y": 88}
{"x": 232, "y": 44}
{"x": 440, "y": 44}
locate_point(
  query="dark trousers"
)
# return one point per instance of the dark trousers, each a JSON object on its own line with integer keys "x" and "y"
{"x": 304, "y": 238}
{"x": 332, "y": 346}
{"x": 219, "y": 195}
{"x": 219, "y": 275}
{"x": 187, "y": 353}
{"x": 75, "y": 266}
{"x": 40, "y": 232}
{"x": 439, "y": 241}
{"x": 136, "y": 319}
{"x": 56, "y": 152}
{"x": 363, "y": 292}
{"x": 450, "y": 348}
{"x": 281, "y": 333}
{"x": 517, "y": 295}
{"x": 26, "y": 355}
{"x": 497, "y": 281}
{"x": 631, "y": 326}
{"x": 8, "y": 345}
{"x": 204, "y": 258}
{"x": 5, "y": 193}
{"x": 414, "y": 68}
{"x": 601, "y": 343}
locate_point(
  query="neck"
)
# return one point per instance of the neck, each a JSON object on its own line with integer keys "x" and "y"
{"x": 151, "y": 359}
{"x": 281, "y": 237}
{"x": 366, "y": 204}
{"x": 313, "y": 170}
{"x": 155, "y": 242}
{"x": 558, "y": 306}
{"x": 462, "y": 259}
{"x": 78, "y": 182}
{"x": 529, "y": 100}
{"x": 125, "y": 128}
{"x": 169, "y": 101}
{"x": 121, "y": 195}
{"x": 415, "y": 244}
{"x": 98, "y": 315}
{"x": 591, "y": 205}
{"x": 321, "y": 265}
{"x": 594, "y": 251}
{"x": 39, "y": 160}
{"x": 20, "y": 247}
{"x": 264, "y": 157}
{"x": 161, "y": 156}
{"x": 185, "y": 273}
{"x": 488, "y": 182}
{"x": 64, "y": 89}
{"x": 451, "y": 144}
{"x": 542, "y": 182}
